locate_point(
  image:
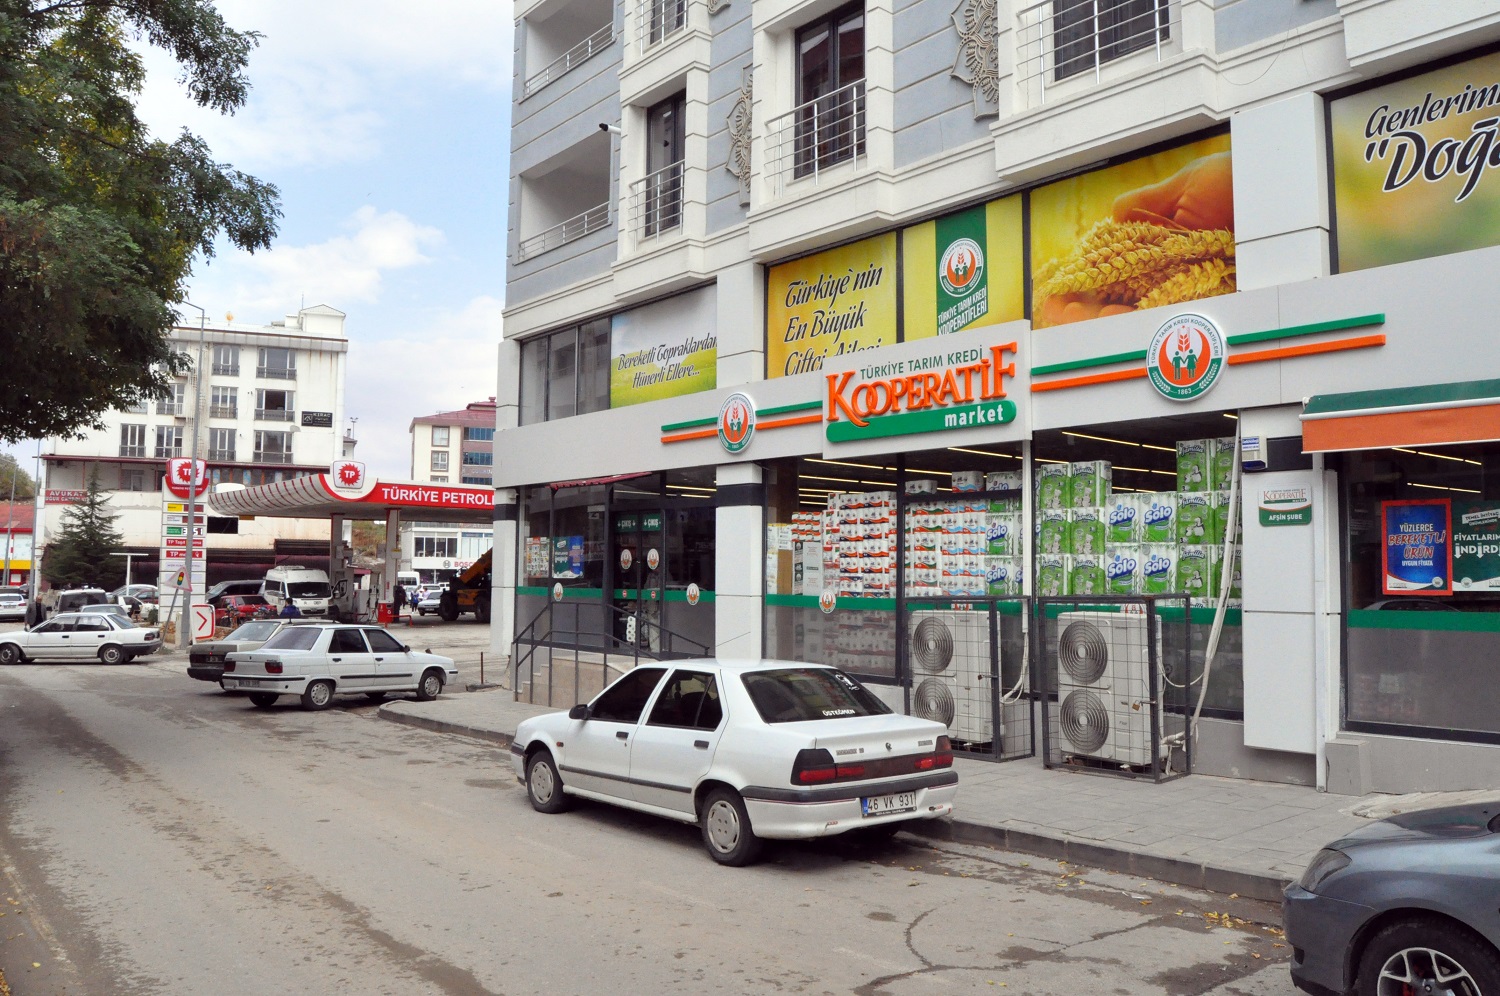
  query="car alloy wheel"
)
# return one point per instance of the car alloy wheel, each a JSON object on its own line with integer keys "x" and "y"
{"x": 1428, "y": 957}
{"x": 1424, "y": 971}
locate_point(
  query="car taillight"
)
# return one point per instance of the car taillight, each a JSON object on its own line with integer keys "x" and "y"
{"x": 229, "y": 665}
{"x": 815, "y": 766}
{"x": 273, "y": 667}
{"x": 941, "y": 758}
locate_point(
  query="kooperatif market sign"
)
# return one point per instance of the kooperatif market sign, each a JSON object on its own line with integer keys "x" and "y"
{"x": 945, "y": 388}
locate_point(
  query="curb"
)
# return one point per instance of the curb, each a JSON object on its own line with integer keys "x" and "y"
{"x": 1173, "y": 871}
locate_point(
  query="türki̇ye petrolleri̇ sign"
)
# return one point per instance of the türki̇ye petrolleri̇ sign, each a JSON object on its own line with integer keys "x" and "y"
{"x": 945, "y": 389}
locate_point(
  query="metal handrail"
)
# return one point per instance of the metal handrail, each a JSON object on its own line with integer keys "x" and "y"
{"x": 227, "y": 369}
{"x": 659, "y": 20}
{"x": 656, "y": 202}
{"x": 223, "y": 411}
{"x": 221, "y": 454}
{"x": 276, "y": 373}
{"x": 261, "y": 456}
{"x": 575, "y": 56}
{"x": 275, "y": 415}
{"x": 560, "y": 234}
{"x": 818, "y": 134}
{"x": 1060, "y": 40}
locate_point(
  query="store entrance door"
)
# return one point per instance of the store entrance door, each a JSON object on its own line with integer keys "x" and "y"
{"x": 636, "y": 552}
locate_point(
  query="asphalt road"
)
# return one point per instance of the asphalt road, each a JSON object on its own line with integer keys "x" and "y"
{"x": 157, "y": 836}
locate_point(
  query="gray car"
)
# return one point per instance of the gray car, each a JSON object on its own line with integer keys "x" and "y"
{"x": 1407, "y": 906}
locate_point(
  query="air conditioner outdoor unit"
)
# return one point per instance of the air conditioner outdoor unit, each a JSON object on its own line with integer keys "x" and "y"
{"x": 950, "y": 657}
{"x": 1103, "y": 690}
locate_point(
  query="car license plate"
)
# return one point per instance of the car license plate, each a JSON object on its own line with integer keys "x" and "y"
{"x": 883, "y": 805}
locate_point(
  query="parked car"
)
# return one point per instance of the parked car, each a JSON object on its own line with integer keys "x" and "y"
{"x": 746, "y": 750}
{"x": 206, "y": 660}
{"x": 319, "y": 662}
{"x": 73, "y": 599}
{"x": 12, "y": 605}
{"x": 1405, "y": 905}
{"x": 141, "y": 592}
{"x": 430, "y": 601}
{"x": 79, "y": 636}
{"x": 249, "y": 586}
{"x": 108, "y": 608}
{"x": 234, "y": 609}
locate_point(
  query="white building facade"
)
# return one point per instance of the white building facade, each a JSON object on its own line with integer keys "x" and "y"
{"x": 269, "y": 407}
{"x": 787, "y": 275}
{"x": 454, "y": 447}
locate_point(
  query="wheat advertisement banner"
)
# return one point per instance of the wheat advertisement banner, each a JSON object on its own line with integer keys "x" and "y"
{"x": 964, "y": 271}
{"x": 664, "y": 350}
{"x": 1413, "y": 166}
{"x": 832, "y": 303}
{"x": 1157, "y": 230}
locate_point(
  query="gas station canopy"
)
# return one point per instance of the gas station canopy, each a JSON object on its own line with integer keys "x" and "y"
{"x": 318, "y": 496}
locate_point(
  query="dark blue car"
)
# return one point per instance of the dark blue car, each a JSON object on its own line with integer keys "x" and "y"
{"x": 1407, "y": 906}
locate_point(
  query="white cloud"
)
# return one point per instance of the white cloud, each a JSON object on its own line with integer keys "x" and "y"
{"x": 442, "y": 365}
{"x": 343, "y": 270}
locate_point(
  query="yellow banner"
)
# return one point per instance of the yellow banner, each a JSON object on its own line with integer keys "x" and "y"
{"x": 964, "y": 271}
{"x": 835, "y": 302}
{"x": 1410, "y": 166}
{"x": 1154, "y": 231}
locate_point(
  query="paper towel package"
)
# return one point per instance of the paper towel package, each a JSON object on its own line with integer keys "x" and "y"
{"x": 1086, "y": 531}
{"x": 1085, "y": 575}
{"x": 1053, "y": 485}
{"x": 1197, "y": 570}
{"x": 1003, "y": 576}
{"x": 1158, "y": 568}
{"x": 1003, "y": 535}
{"x": 1195, "y": 465}
{"x": 1051, "y": 575}
{"x": 1122, "y": 570}
{"x": 1223, "y": 515}
{"x": 1195, "y": 517}
{"x": 1003, "y": 480}
{"x": 1052, "y": 531}
{"x": 968, "y": 480}
{"x": 1223, "y": 463}
{"x": 1159, "y": 520}
{"x": 1122, "y": 519}
{"x": 1089, "y": 483}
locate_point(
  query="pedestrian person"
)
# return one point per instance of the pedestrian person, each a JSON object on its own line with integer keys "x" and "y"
{"x": 398, "y": 599}
{"x": 290, "y": 611}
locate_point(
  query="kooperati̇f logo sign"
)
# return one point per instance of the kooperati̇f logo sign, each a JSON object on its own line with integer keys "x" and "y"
{"x": 736, "y": 423}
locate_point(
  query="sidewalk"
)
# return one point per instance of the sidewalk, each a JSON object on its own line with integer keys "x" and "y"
{"x": 1225, "y": 835}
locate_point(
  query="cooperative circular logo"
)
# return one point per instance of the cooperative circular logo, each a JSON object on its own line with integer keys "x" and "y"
{"x": 1185, "y": 357}
{"x": 736, "y": 423}
{"x": 626, "y": 559}
{"x": 557, "y": 591}
{"x": 653, "y": 559}
{"x": 961, "y": 267}
{"x": 693, "y": 593}
{"x": 828, "y": 600}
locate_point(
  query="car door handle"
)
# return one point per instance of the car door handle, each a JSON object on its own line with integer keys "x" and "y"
{"x": 337, "y": 660}
{"x": 379, "y": 659}
{"x": 622, "y": 735}
{"x": 701, "y": 744}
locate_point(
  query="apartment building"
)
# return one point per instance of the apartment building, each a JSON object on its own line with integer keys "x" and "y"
{"x": 270, "y": 407}
{"x": 1134, "y": 289}
{"x": 449, "y": 447}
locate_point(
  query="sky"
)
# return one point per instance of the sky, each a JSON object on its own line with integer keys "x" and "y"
{"x": 385, "y": 124}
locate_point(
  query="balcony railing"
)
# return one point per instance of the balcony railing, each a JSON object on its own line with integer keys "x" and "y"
{"x": 575, "y": 227}
{"x": 1059, "y": 41}
{"x": 277, "y": 373}
{"x": 223, "y": 411}
{"x": 563, "y": 64}
{"x": 214, "y": 454}
{"x": 267, "y": 456}
{"x": 227, "y": 369}
{"x": 168, "y": 452}
{"x": 659, "y": 20}
{"x": 169, "y": 408}
{"x": 817, "y": 135}
{"x": 656, "y": 202}
{"x": 274, "y": 415}
{"x": 132, "y": 451}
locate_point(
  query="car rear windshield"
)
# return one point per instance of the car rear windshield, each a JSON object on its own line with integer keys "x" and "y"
{"x": 252, "y": 631}
{"x": 790, "y": 695}
{"x": 294, "y": 638}
{"x": 309, "y": 589}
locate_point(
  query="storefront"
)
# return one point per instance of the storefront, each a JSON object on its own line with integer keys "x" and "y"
{"x": 887, "y": 429}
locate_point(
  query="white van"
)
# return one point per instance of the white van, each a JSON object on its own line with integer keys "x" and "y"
{"x": 306, "y": 588}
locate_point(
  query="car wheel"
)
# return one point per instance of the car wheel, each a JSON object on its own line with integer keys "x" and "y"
{"x": 111, "y": 654}
{"x": 10, "y": 654}
{"x": 482, "y": 607}
{"x": 726, "y": 829}
{"x": 430, "y": 687}
{"x": 263, "y": 700}
{"x": 447, "y": 608}
{"x": 1427, "y": 956}
{"x": 544, "y": 785}
{"x": 317, "y": 696}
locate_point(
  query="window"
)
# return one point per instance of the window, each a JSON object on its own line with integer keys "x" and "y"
{"x": 132, "y": 440}
{"x": 689, "y": 699}
{"x": 136, "y": 407}
{"x": 1081, "y": 43}
{"x": 273, "y": 406}
{"x": 347, "y": 641}
{"x": 475, "y": 459}
{"x": 439, "y": 480}
{"x": 663, "y": 17}
{"x": 132, "y": 480}
{"x": 479, "y": 433}
{"x": 434, "y": 546}
{"x": 623, "y": 701}
{"x": 276, "y": 363}
{"x": 168, "y": 441}
{"x": 90, "y": 623}
{"x": 662, "y": 185}
{"x": 382, "y": 642}
{"x": 440, "y": 435}
{"x": 477, "y": 480}
{"x": 293, "y": 637}
{"x": 221, "y": 444}
{"x": 565, "y": 373}
{"x": 439, "y": 459}
{"x": 223, "y": 402}
{"x": 227, "y": 361}
{"x": 830, "y": 126}
{"x": 793, "y": 694}
{"x": 273, "y": 447}
{"x": 171, "y": 403}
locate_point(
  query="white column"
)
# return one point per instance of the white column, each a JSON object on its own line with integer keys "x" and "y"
{"x": 739, "y": 567}
{"x": 392, "y": 556}
{"x": 1280, "y": 192}
{"x": 503, "y": 566}
{"x": 741, "y": 300}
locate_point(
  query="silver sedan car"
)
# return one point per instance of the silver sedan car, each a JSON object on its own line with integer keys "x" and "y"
{"x": 80, "y": 636}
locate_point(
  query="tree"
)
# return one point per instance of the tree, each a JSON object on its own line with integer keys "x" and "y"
{"x": 10, "y": 468}
{"x": 81, "y": 553}
{"x": 99, "y": 221}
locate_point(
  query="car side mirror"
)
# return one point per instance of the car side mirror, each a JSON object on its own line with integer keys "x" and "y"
{"x": 579, "y": 712}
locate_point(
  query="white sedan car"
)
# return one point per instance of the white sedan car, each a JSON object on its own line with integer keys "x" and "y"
{"x": 745, "y": 749}
{"x": 80, "y": 636}
{"x": 319, "y": 662}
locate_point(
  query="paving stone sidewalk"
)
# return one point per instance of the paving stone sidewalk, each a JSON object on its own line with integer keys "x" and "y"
{"x": 1226, "y": 835}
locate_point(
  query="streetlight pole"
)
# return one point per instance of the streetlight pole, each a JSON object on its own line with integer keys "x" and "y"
{"x": 33, "y": 613}
{"x": 184, "y": 625}
{"x": 10, "y": 518}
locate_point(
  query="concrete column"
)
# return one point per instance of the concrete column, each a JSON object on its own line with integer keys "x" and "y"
{"x": 1280, "y": 192}
{"x": 741, "y": 328}
{"x": 392, "y": 556}
{"x": 739, "y": 566}
{"x": 503, "y": 568}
